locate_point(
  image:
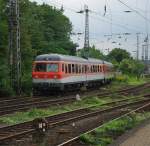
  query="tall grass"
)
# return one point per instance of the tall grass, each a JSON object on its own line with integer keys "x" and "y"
{"x": 105, "y": 135}
{"x": 19, "y": 117}
{"x": 130, "y": 80}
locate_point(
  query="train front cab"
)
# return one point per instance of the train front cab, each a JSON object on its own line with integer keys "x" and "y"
{"x": 46, "y": 75}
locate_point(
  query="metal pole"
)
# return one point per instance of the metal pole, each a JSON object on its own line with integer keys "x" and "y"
{"x": 143, "y": 52}
{"x": 14, "y": 46}
{"x": 137, "y": 53}
{"x": 146, "y": 48}
{"x": 86, "y": 39}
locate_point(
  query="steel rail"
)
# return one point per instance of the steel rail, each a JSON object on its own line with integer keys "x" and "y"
{"x": 70, "y": 141}
{"x": 7, "y": 133}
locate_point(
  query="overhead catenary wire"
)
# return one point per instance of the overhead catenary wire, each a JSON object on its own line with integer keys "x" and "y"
{"x": 57, "y": 4}
{"x": 99, "y": 18}
{"x": 134, "y": 10}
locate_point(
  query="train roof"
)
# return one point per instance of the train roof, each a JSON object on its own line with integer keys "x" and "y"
{"x": 93, "y": 60}
{"x": 108, "y": 63}
{"x": 60, "y": 57}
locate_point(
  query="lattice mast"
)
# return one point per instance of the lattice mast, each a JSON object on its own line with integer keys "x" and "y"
{"x": 145, "y": 50}
{"x": 86, "y": 39}
{"x": 14, "y": 46}
{"x": 137, "y": 52}
{"x": 147, "y": 47}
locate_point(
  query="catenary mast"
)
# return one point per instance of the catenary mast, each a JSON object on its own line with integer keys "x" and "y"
{"x": 14, "y": 46}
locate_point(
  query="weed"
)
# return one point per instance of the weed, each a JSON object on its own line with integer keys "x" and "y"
{"x": 106, "y": 134}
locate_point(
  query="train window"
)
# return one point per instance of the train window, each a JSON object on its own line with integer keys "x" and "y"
{"x": 69, "y": 68}
{"x": 73, "y": 68}
{"x": 102, "y": 67}
{"x": 98, "y": 68}
{"x": 62, "y": 67}
{"x": 76, "y": 68}
{"x": 94, "y": 68}
{"x": 86, "y": 68}
{"x": 80, "y": 69}
{"x": 91, "y": 69}
{"x": 40, "y": 67}
{"x": 83, "y": 68}
{"x": 52, "y": 67}
{"x": 66, "y": 68}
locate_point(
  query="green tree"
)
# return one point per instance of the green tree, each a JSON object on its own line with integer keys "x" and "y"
{"x": 44, "y": 29}
{"x": 132, "y": 67}
{"x": 117, "y": 55}
{"x": 4, "y": 68}
{"x": 93, "y": 53}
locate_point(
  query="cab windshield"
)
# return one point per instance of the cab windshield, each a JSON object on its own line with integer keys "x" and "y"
{"x": 42, "y": 67}
{"x": 52, "y": 67}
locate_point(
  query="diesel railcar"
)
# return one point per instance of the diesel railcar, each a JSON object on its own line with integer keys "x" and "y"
{"x": 63, "y": 72}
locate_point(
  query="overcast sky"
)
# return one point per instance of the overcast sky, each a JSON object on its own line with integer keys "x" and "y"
{"x": 115, "y": 21}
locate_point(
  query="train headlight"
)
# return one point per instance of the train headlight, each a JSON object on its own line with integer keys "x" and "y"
{"x": 55, "y": 76}
{"x": 36, "y": 76}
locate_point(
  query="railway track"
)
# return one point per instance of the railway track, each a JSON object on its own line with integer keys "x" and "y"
{"x": 126, "y": 91}
{"x": 74, "y": 141}
{"x": 15, "y": 104}
{"x": 9, "y": 108}
{"x": 25, "y": 129}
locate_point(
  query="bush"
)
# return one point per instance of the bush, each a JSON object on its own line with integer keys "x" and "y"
{"x": 132, "y": 67}
{"x": 130, "y": 79}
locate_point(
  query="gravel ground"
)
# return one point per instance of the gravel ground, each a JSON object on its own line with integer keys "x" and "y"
{"x": 3, "y": 125}
{"x": 139, "y": 136}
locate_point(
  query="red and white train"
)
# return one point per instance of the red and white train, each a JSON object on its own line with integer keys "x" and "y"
{"x": 62, "y": 72}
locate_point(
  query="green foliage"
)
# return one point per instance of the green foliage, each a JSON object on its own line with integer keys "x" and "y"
{"x": 125, "y": 63}
{"x": 5, "y": 89}
{"x": 117, "y": 55}
{"x": 93, "y": 53}
{"x": 30, "y": 115}
{"x": 44, "y": 29}
{"x": 133, "y": 67}
{"x": 130, "y": 80}
{"x": 105, "y": 135}
{"x": 35, "y": 113}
